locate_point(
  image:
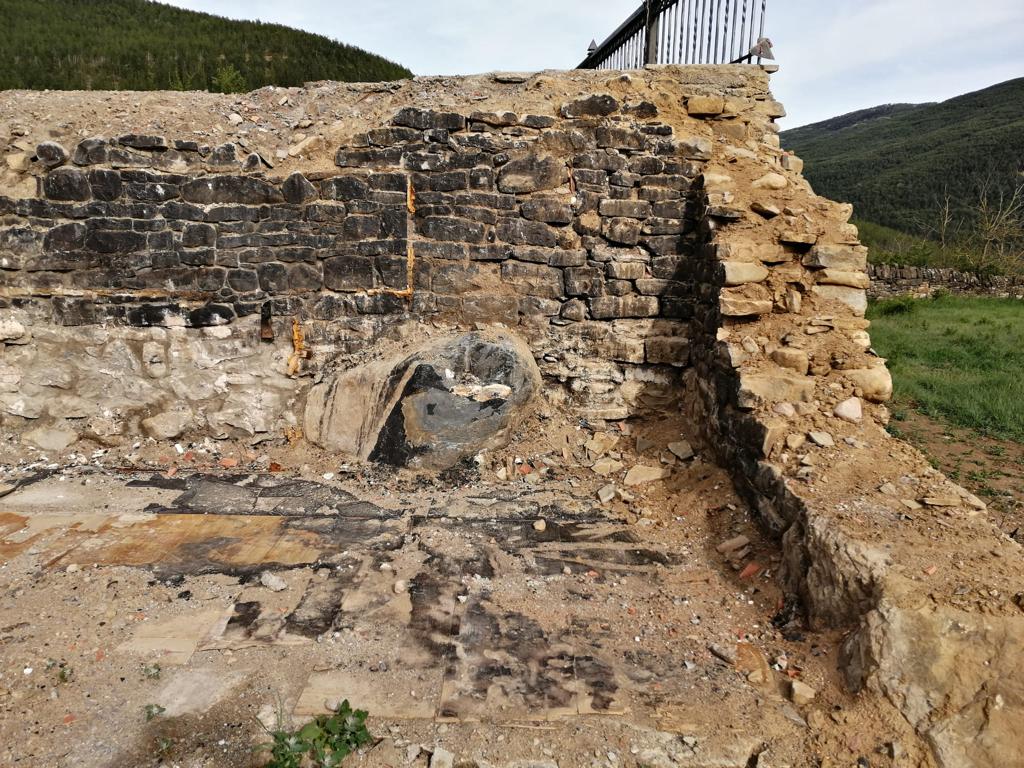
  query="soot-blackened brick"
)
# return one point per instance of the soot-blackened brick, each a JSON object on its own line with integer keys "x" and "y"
{"x": 348, "y": 273}
{"x": 210, "y": 315}
{"x": 243, "y": 280}
{"x": 522, "y": 232}
{"x": 105, "y": 184}
{"x": 452, "y": 229}
{"x": 273, "y": 277}
{"x": 303, "y": 278}
{"x": 423, "y": 119}
{"x": 103, "y": 241}
{"x": 298, "y": 190}
{"x": 345, "y": 188}
{"x": 92, "y": 151}
{"x": 598, "y": 105}
{"x": 67, "y": 184}
{"x": 66, "y": 237}
{"x": 230, "y": 189}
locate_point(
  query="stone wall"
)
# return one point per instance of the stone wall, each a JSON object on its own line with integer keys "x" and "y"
{"x": 891, "y": 280}
{"x": 155, "y": 269}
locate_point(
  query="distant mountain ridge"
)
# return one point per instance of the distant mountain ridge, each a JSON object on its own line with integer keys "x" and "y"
{"x": 144, "y": 45}
{"x": 895, "y": 162}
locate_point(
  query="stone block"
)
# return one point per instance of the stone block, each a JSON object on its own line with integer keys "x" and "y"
{"x": 533, "y": 279}
{"x": 67, "y": 184}
{"x": 705, "y": 106}
{"x": 746, "y": 301}
{"x": 522, "y": 232}
{"x": 631, "y": 209}
{"x": 668, "y": 350}
{"x": 348, "y": 273}
{"x": 548, "y": 210}
{"x": 842, "y": 258}
{"x": 597, "y": 105}
{"x": 614, "y": 307}
{"x": 840, "y": 277}
{"x": 298, "y": 190}
{"x": 854, "y": 298}
{"x": 629, "y": 270}
{"x": 584, "y": 281}
{"x": 621, "y": 231}
{"x": 424, "y": 119}
{"x": 774, "y": 388}
{"x": 245, "y": 190}
{"x": 532, "y": 174}
{"x": 742, "y": 272}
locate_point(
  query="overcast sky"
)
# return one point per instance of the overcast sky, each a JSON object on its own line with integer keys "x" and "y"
{"x": 835, "y": 55}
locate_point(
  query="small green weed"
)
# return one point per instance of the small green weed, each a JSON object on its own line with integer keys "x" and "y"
{"x": 153, "y": 710}
{"x": 326, "y": 740}
{"x": 151, "y": 671}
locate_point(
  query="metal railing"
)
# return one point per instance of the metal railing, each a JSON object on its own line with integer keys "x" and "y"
{"x": 685, "y": 32}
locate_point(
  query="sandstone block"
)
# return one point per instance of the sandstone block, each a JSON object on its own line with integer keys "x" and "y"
{"x": 855, "y": 298}
{"x": 742, "y": 272}
{"x": 848, "y": 279}
{"x": 775, "y": 388}
{"x": 842, "y": 258}
{"x": 744, "y": 302}
{"x": 705, "y": 106}
{"x": 794, "y": 359}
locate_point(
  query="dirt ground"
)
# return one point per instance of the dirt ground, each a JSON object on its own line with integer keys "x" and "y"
{"x": 991, "y": 468}
{"x": 509, "y": 622}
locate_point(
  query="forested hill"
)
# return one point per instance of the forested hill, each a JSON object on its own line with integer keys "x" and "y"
{"x": 895, "y": 162}
{"x": 142, "y": 45}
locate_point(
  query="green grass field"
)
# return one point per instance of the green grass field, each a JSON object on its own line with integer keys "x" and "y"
{"x": 956, "y": 359}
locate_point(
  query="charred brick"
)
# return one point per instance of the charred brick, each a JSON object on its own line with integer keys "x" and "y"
{"x": 297, "y": 189}
{"x": 348, "y": 273}
{"x": 230, "y": 189}
{"x": 67, "y": 184}
{"x": 423, "y": 119}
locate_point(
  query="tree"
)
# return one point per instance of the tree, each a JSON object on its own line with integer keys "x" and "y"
{"x": 228, "y": 79}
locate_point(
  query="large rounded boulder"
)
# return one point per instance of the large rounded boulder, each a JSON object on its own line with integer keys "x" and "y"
{"x": 429, "y": 408}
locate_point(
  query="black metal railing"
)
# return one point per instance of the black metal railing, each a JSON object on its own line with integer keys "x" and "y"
{"x": 685, "y": 32}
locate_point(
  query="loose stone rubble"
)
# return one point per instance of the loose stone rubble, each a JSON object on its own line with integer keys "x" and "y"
{"x": 272, "y": 269}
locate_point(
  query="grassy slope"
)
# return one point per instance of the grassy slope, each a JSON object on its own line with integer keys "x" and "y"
{"x": 142, "y": 45}
{"x": 893, "y": 163}
{"x": 957, "y": 359}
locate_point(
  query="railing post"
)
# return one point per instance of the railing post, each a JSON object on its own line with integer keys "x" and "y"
{"x": 651, "y": 40}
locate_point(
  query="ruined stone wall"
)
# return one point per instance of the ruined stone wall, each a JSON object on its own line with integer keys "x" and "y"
{"x": 891, "y": 280}
{"x": 137, "y": 275}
